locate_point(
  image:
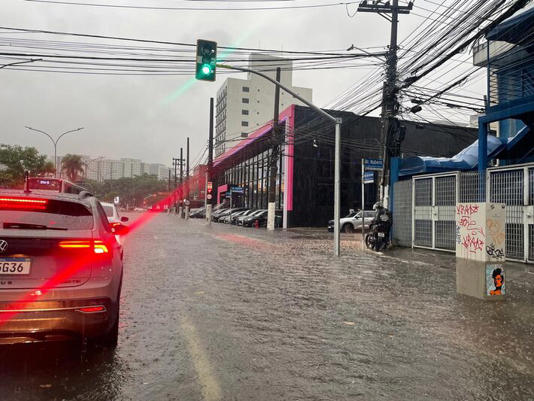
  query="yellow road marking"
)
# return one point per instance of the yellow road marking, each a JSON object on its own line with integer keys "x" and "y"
{"x": 211, "y": 390}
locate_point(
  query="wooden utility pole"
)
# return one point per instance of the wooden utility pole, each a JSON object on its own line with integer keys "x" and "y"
{"x": 390, "y": 105}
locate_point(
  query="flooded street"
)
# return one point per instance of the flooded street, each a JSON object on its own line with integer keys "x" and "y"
{"x": 225, "y": 313}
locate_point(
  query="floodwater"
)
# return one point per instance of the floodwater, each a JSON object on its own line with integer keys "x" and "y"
{"x": 227, "y": 313}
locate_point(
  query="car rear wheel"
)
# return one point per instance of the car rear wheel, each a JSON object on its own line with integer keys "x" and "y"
{"x": 348, "y": 228}
{"x": 111, "y": 338}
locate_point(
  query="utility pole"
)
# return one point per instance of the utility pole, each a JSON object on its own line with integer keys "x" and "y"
{"x": 187, "y": 183}
{"x": 275, "y": 155}
{"x": 169, "y": 184}
{"x": 390, "y": 104}
{"x": 209, "y": 202}
{"x": 175, "y": 162}
{"x": 181, "y": 191}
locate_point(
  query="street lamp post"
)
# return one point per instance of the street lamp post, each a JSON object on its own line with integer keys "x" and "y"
{"x": 54, "y": 141}
{"x": 337, "y": 121}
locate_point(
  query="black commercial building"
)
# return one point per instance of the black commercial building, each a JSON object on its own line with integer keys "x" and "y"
{"x": 305, "y": 181}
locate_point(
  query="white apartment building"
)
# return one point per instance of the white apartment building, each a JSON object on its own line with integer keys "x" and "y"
{"x": 243, "y": 105}
{"x": 101, "y": 169}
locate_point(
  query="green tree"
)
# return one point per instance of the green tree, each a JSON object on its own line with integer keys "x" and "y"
{"x": 73, "y": 166}
{"x": 131, "y": 191}
{"x": 14, "y": 160}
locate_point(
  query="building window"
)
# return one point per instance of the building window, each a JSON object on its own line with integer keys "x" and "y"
{"x": 245, "y": 100}
{"x": 246, "y": 89}
{"x": 244, "y": 112}
{"x": 244, "y": 135}
{"x": 244, "y": 123}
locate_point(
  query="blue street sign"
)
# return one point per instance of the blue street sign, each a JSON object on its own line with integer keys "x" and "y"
{"x": 369, "y": 177}
{"x": 237, "y": 190}
{"x": 373, "y": 164}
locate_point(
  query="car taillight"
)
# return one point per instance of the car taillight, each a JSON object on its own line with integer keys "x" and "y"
{"x": 75, "y": 244}
{"x": 9, "y": 202}
{"x": 99, "y": 247}
{"x": 92, "y": 309}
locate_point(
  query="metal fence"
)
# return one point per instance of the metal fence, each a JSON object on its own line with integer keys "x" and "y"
{"x": 433, "y": 199}
{"x": 402, "y": 213}
{"x": 514, "y": 186}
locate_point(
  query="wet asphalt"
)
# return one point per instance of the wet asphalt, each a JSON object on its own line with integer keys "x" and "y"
{"x": 226, "y": 313}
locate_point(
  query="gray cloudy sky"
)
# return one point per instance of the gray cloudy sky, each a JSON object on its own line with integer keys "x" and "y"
{"x": 130, "y": 116}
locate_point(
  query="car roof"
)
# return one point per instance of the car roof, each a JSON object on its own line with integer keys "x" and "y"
{"x": 107, "y": 204}
{"x": 47, "y": 194}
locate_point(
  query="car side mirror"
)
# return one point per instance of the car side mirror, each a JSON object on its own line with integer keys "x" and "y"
{"x": 124, "y": 219}
{"x": 120, "y": 229}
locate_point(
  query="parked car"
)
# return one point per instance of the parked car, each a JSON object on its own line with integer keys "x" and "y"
{"x": 216, "y": 213}
{"x": 198, "y": 213}
{"x": 227, "y": 219}
{"x": 59, "y": 253}
{"x": 250, "y": 221}
{"x": 278, "y": 218}
{"x": 244, "y": 214}
{"x": 240, "y": 219}
{"x": 353, "y": 221}
{"x": 227, "y": 212}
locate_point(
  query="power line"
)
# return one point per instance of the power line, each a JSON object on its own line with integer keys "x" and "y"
{"x": 193, "y": 8}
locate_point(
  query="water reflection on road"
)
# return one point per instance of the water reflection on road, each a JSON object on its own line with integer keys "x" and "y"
{"x": 242, "y": 314}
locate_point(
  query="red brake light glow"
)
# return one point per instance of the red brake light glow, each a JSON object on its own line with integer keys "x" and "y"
{"x": 99, "y": 247}
{"x": 22, "y": 203}
{"x": 92, "y": 309}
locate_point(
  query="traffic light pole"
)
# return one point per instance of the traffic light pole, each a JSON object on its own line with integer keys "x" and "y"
{"x": 181, "y": 191}
{"x": 273, "y": 160}
{"x": 209, "y": 202}
{"x": 337, "y": 122}
{"x": 187, "y": 183}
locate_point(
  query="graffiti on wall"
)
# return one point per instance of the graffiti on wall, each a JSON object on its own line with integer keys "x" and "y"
{"x": 496, "y": 230}
{"x": 469, "y": 231}
{"x": 480, "y": 231}
{"x": 495, "y": 284}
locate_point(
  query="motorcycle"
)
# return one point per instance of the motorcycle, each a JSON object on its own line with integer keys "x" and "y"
{"x": 377, "y": 238}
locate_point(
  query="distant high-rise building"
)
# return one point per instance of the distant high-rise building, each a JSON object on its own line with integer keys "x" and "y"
{"x": 101, "y": 169}
{"x": 243, "y": 105}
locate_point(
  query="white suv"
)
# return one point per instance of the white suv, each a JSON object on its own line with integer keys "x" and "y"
{"x": 353, "y": 221}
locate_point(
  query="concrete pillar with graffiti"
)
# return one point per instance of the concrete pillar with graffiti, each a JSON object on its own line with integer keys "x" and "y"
{"x": 481, "y": 250}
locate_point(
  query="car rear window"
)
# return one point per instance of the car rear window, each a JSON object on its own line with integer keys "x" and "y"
{"x": 56, "y": 214}
{"x": 108, "y": 210}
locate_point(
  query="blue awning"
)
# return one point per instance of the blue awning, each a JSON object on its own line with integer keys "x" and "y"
{"x": 514, "y": 29}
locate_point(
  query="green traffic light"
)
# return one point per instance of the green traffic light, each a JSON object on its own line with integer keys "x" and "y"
{"x": 206, "y": 60}
{"x": 206, "y": 69}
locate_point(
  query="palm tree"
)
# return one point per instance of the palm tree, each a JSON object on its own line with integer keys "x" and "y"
{"x": 73, "y": 166}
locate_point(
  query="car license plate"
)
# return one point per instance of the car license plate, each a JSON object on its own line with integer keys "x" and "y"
{"x": 381, "y": 235}
{"x": 15, "y": 266}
